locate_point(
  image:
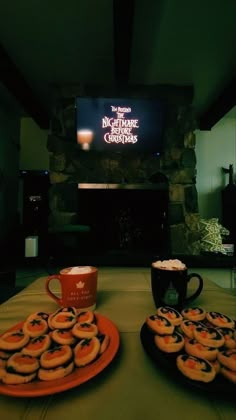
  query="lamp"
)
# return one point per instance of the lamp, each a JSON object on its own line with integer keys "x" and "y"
{"x": 85, "y": 138}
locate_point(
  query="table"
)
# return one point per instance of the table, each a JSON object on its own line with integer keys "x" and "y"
{"x": 132, "y": 387}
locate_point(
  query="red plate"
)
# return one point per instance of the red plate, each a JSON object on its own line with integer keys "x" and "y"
{"x": 78, "y": 376}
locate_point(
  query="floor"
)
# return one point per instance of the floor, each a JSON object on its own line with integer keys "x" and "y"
{"x": 25, "y": 276}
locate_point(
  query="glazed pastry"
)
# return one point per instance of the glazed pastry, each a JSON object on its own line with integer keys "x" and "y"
{"x": 104, "y": 342}
{"x": 171, "y": 314}
{"x": 55, "y": 373}
{"x": 219, "y": 320}
{"x": 84, "y": 330}
{"x": 13, "y": 340}
{"x": 216, "y": 365}
{"x": 49, "y": 322}
{"x": 194, "y": 348}
{"x": 37, "y": 345}
{"x": 17, "y": 378}
{"x": 35, "y": 327}
{"x": 63, "y": 337}
{"x": 228, "y": 334}
{"x": 194, "y": 314}
{"x": 22, "y": 363}
{"x": 62, "y": 319}
{"x": 3, "y": 372}
{"x": 86, "y": 351}
{"x": 68, "y": 309}
{"x": 169, "y": 343}
{"x": 85, "y": 316}
{"x": 4, "y": 355}
{"x": 56, "y": 356}
{"x": 209, "y": 337}
{"x": 188, "y": 327}
{"x": 195, "y": 368}
{"x": 43, "y": 315}
{"x": 228, "y": 374}
{"x": 228, "y": 358}
{"x": 160, "y": 325}
{"x": 2, "y": 363}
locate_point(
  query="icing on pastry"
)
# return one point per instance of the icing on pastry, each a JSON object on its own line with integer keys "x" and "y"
{"x": 14, "y": 340}
{"x": 194, "y": 348}
{"x": 169, "y": 343}
{"x": 85, "y": 316}
{"x": 195, "y": 368}
{"x": 17, "y": 378}
{"x": 159, "y": 324}
{"x": 62, "y": 319}
{"x": 56, "y": 356}
{"x": 228, "y": 334}
{"x": 37, "y": 345}
{"x": 219, "y": 320}
{"x": 63, "y": 336}
{"x": 104, "y": 342}
{"x": 84, "y": 330}
{"x": 189, "y": 326}
{"x": 171, "y": 314}
{"x": 228, "y": 358}
{"x": 194, "y": 314}
{"x": 208, "y": 336}
{"x": 228, "y": 374}
{"x": 55, "y": 373}
{"x": 35, "y": 327}
{"x": 22, "y": 363}
{"x": 86, "y": 351}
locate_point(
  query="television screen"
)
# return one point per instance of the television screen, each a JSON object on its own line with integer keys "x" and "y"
{"x": 119, "y": 124}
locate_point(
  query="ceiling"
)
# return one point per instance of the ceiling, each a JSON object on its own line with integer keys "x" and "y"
{"x": 47, "y": 45}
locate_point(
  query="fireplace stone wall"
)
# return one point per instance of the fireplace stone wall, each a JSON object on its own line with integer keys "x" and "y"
{"x": 69, "y": 166}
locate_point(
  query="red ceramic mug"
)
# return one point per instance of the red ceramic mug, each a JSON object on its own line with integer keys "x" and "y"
{"x": 78, "y": 287}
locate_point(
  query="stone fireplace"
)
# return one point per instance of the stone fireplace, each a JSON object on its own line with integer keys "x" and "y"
{"x": 176, "y": 166}
{"x": 129, "y": 218}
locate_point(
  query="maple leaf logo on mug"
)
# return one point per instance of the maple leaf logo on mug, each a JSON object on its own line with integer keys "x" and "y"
{"x": 80, "y": 285}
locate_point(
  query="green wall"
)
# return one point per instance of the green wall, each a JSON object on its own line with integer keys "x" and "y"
{"x": 215, "y": 149}
{"x": 34, "y": 154}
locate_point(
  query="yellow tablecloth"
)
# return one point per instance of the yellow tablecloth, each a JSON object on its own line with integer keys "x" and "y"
{"x": 132, "y": 387}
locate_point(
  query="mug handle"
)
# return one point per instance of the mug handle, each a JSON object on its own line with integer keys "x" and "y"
{"x": 49, "y": 292}
{"x": 199, "y": 289}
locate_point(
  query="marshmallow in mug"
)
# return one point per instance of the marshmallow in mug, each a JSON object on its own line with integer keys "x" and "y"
{"x": 80, "y": 270}
{"x": 169, "y": 265}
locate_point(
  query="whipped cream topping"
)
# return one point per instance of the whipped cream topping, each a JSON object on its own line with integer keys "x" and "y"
{"x": 80, "y": 270}
{"x": 169, "y": 265}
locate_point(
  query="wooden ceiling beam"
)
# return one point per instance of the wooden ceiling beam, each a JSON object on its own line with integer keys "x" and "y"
{"x": 14, "y": 81}
{"x": 123, "y": 17}
{"x": 223, "y": 104}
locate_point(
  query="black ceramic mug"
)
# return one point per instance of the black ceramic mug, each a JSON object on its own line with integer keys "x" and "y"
{"x": 170, "y": 285}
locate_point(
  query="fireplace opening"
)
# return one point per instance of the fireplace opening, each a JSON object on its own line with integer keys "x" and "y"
{"x": 126, "y": 218}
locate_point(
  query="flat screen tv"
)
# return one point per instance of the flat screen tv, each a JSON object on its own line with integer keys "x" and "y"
{"x": 119, "y": 124}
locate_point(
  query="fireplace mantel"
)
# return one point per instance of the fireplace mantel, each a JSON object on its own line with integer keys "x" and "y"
{"x": 123, "y": 186}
